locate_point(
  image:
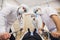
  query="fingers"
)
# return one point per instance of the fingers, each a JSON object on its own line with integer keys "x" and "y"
{"x": 55, "y": 34}
{"x": 40, "y": 31}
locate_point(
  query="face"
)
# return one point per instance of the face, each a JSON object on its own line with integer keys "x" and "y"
{"x": 22, "y": 10}
{"x": 38, "y": 11}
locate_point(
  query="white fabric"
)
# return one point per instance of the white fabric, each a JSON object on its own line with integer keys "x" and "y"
{"x": 45, "y": 15}
{"x": 35, "y": 23}
{"x": 51, "y": 11}
{"x": 21, "y": 23}
{"x": 7, "y": 16}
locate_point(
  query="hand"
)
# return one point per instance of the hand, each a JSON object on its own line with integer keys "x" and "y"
{"x": 40, "y": 31}
{"x": 55, "y": 34}
{"x": 5, "y": 36}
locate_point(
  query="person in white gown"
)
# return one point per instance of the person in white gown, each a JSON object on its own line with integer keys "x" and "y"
{"x": 49, "y": 18}
{"x": 7, "y": 17}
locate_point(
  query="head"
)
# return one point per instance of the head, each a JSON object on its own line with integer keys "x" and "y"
{"x": 23, "y": 9}
{"x": 37, "y": 10}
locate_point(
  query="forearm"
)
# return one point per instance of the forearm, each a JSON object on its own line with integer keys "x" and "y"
{"x": 43, "y": 25}
{"x": 58, "y": 25}
{"x": 0, "y": 36}
{"x": 2, "y": 24}
{"x": 57, "y": 22}
{"x": 3, "y": 14}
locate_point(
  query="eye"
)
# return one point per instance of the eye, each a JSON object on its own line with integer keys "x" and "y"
{"x": 36, "y": 11}
{"x": 24, "y": 9}
{"x": 19, "y": 13}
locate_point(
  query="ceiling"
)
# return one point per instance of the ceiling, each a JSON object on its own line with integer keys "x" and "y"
{"x": 32, "y": 3}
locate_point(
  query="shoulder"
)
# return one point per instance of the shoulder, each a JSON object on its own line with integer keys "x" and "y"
{"x": 10, "y": 6}
{"x": 51, "y": 11}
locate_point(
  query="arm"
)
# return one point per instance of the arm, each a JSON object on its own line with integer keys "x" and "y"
{"x": 3, "y": 33}
{"x": 56, "y": 21}
{"x": 3, "y": 13}
{"x": 53, "y": 14}
{"x": 40, "y": 29}
{"x": 43, "y": 24}
{"x": 2, "y": 24}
